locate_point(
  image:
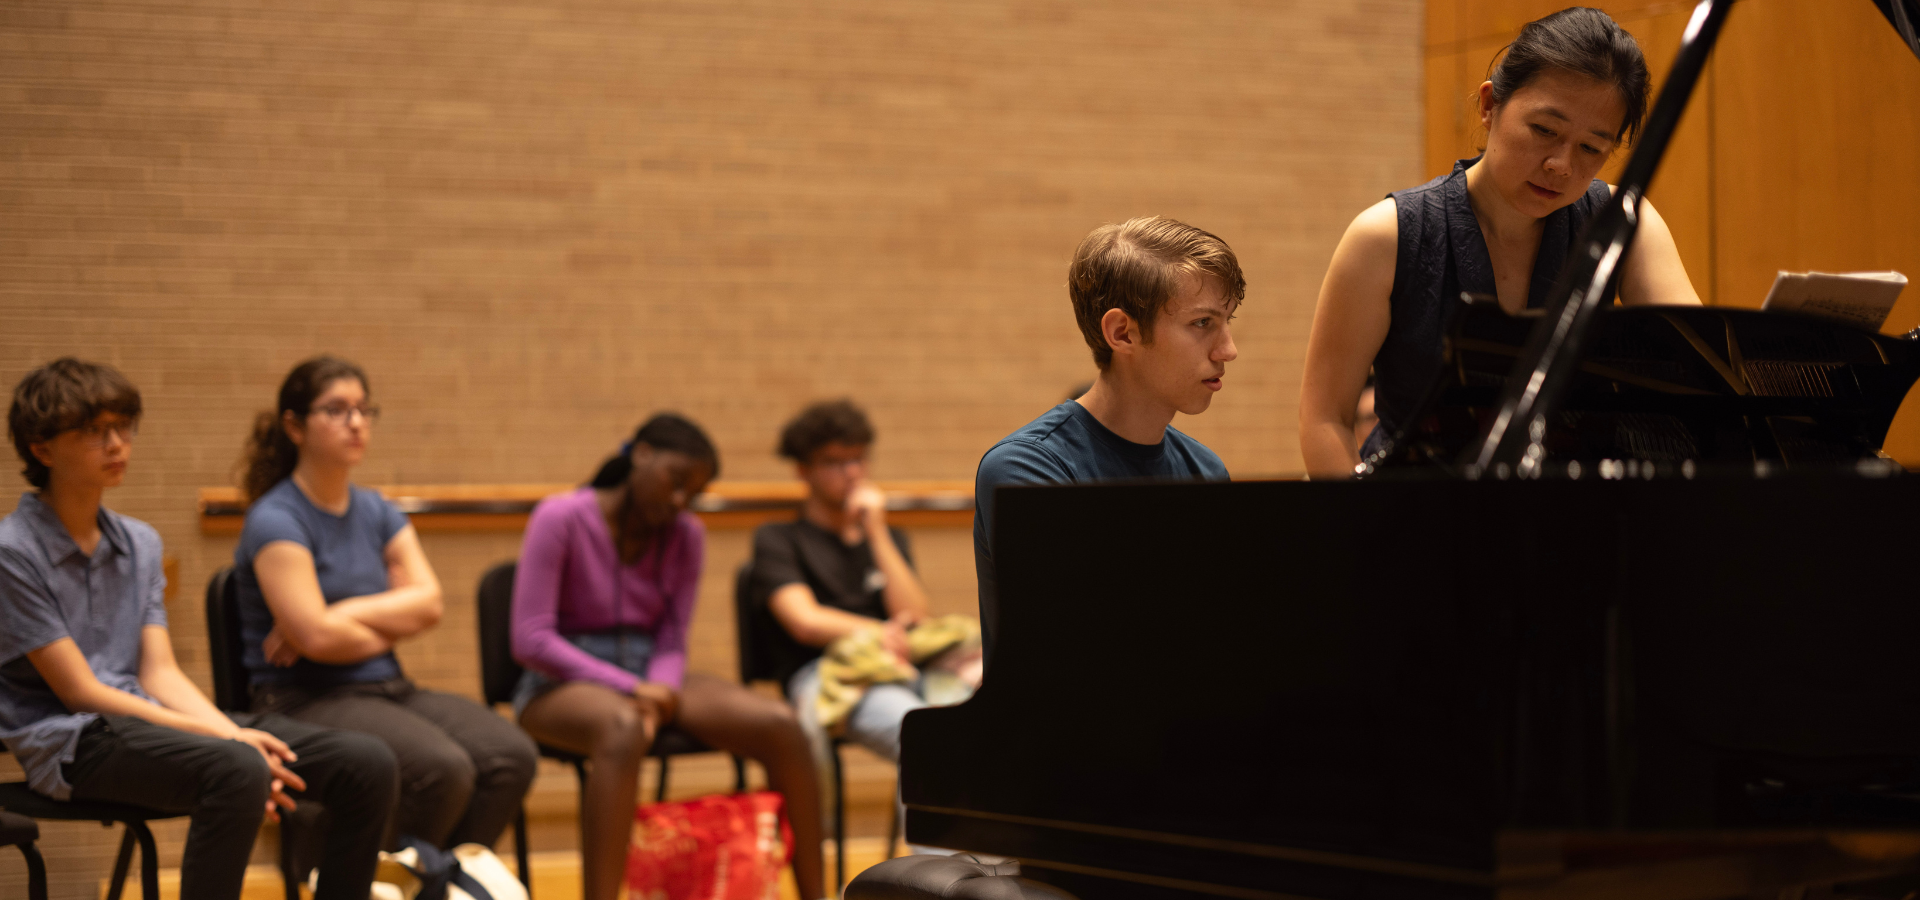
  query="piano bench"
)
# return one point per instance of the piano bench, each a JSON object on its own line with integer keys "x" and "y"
{"x": 963, "y": 877}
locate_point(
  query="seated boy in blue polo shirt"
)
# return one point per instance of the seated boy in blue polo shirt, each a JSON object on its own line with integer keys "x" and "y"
{"x": 1153, "y": 298}
{"x": 93, "y": 704}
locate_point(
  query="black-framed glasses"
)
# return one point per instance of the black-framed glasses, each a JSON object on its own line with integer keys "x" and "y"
{"x": 100, "y": 434}
{"x": 343, "y": 412}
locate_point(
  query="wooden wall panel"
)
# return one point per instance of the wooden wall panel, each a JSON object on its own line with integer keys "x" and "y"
{"x": 1817, "y": 157}
{"x": 1818, "y": 109}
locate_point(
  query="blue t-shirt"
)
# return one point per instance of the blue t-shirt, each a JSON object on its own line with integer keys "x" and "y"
{"x": 1067, "y": 446}
{"x": 50, "y": 590}
{"x": 349, "y": 555}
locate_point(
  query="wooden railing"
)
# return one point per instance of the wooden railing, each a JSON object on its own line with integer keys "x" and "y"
{"x": 725, "y": 504}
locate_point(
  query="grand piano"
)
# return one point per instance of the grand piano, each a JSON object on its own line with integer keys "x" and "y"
{"x": 1625, "y": 612}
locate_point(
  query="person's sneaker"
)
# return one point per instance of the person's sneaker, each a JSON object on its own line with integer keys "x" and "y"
{"x": 380, "y": 890}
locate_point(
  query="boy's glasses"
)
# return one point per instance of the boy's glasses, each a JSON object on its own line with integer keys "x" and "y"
{"x": 100, "y": 434}
{"x": 342, "y": 412}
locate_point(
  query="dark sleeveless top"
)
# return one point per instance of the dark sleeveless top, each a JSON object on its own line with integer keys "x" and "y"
{"x": 1442, "y": 254}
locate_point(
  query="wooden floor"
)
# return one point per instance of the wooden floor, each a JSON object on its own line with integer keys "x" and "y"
{"x": 553, "y": 823}
{"x": 556, "y": 875}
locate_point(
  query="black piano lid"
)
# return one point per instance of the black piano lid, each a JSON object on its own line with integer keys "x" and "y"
{"x": 1554, "y": 349}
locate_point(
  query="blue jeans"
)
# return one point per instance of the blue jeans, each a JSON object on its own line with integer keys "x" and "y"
{"x": 630, "y": 650}
{"x": 874, "y": 722}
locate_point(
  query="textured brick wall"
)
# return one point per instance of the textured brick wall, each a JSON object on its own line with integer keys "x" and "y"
{"x": 536, "y": 221}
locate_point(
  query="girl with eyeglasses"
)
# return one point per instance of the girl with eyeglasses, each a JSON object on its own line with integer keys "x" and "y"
{"x": 331, "y": 576}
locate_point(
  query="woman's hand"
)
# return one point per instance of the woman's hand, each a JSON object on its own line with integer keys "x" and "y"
{"x": 1349, "y": 324}
{"x": 893, "y": 636}
{"x": 277, "y": 754}
{"x": 665, "y": 703}
{"x": 291, "y": 586}
{"x": 868, "y": 503}
{"x": 277, "y": 650}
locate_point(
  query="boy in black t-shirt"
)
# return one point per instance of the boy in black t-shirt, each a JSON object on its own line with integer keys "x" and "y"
{"x": 837, "y": 569}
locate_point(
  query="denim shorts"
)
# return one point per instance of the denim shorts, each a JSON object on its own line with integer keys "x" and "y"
{"x": 630, "y": 650}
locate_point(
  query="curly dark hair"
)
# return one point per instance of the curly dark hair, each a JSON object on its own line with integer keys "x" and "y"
{"x": 823, "y": 423}
{"x": 64, "y": 394}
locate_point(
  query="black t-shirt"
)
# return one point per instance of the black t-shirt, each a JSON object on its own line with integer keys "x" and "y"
{"x": 841, "y": 575}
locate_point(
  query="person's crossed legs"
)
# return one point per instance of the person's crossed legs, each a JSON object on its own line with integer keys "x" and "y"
{"x": 464, "y": 770}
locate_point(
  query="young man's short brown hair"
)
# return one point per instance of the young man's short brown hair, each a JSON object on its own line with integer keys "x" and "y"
{"x": 62, "y": 395}
{"x": 1136, "y": 266}
{"x": 823, "y": 423}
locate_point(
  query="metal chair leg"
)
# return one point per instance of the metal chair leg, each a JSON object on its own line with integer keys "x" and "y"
{"x": 149, "y": 861}
{"x": 839, "y": 823}
{"x": 289, "y": 874}
{"x": 36, "y": 872}
{"x": 121, "y": 863}
{"x": 580, "y": 778}
{"x": 520, "y": 850}
{"x": 660, "y": 793}
{"x": 893, "y": 828}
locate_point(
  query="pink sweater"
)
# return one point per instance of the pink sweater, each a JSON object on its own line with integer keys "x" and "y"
{"x": 570, "y": 577}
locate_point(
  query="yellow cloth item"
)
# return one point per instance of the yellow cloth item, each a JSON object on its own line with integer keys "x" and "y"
{"x": 858, "y": 660}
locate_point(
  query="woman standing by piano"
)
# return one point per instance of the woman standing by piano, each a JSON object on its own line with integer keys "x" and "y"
{"x": 1567, "y": 93}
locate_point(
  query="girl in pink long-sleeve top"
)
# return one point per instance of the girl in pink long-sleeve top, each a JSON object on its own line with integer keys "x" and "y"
{"x": 603, "y": 596}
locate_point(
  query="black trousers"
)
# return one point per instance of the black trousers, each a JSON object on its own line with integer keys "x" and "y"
{"x": 223, "y": 786}
{"x": 464, "y": 770}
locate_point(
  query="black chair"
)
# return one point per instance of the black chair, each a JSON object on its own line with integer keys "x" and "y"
{"x": 17, "y": 798}
{"x": 19, "y": 831}
{"x": 232, "y": 693}
{"x": 499, "y": 673}
{"x": 754, "y": 630}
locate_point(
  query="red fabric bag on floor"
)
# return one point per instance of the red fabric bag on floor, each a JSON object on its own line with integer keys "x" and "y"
{"x": 721, "y": 847}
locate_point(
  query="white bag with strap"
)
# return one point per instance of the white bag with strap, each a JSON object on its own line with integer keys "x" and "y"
{"x": 421, "y": 872}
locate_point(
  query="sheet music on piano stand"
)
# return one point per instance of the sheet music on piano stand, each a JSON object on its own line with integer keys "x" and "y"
{"x": 1857, "y": 298}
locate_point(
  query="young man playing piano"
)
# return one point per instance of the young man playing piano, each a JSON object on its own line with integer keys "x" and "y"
{"x": 1154, "y": 299}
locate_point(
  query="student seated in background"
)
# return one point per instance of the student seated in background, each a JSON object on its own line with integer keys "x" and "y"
{"x": 92, "y": 702}
{"x": 330, "y": 577}
{"x": 1565, "y": 95}
{"x": 602, "y": 600}
{"x": 838, "y": 569}
{"x": 1153, "y": 298}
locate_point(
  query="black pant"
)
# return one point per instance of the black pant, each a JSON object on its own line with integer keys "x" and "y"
{"x": 223, "y": 785}
{"x": 464, "y": 770}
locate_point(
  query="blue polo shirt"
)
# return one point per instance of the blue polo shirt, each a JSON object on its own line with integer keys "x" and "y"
{"x": 349, "y": 557}
{"x": 50, "y": 590}
{"x": 1067, "y": 446}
